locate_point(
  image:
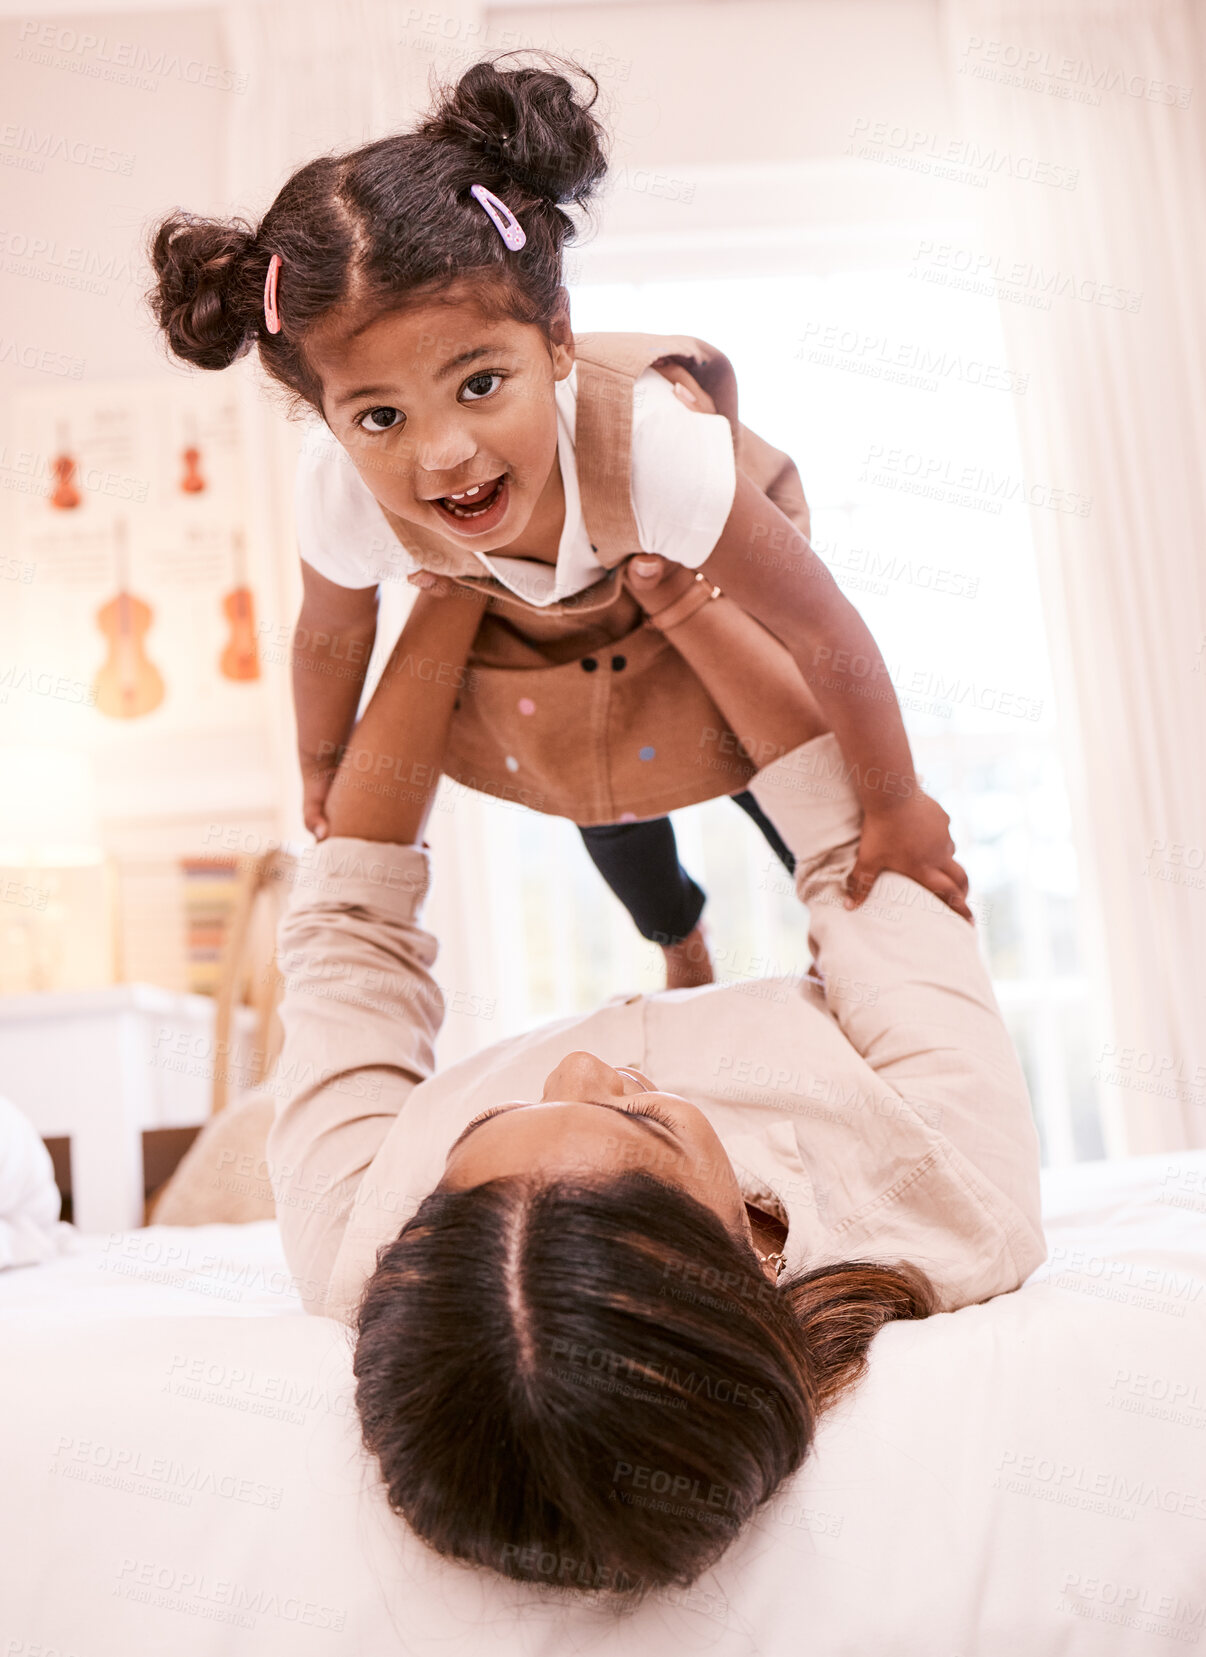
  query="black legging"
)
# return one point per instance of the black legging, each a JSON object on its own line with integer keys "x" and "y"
{"x": 639, "y": 861}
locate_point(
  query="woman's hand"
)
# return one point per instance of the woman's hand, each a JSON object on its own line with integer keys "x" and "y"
{"x": 749, "y": 675}
{"x": 436, "y": 586}
{"x": 912, "y": 837}
{"x": 686, "y": 386}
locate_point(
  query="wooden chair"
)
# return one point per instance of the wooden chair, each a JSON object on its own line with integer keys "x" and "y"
{"x": 249, "y": 975}
{"x": 222, "y": 1175}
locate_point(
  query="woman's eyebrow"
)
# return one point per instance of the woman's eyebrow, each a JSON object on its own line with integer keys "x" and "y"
{"x": 658, "y": 1128}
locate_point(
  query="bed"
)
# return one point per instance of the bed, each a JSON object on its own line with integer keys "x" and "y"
{"x": 182, "y": 1470}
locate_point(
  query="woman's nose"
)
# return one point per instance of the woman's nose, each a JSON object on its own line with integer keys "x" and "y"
{"x": 582, "y": 1076}
{"x": 631, "y": 1070}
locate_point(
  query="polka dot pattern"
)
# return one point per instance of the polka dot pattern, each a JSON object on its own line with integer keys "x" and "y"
{"x": 512, "y": 763}
{"x": 526, "y": 705}
{"x": 647, "y": 752}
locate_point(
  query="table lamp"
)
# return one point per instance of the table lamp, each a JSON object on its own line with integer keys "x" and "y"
{"x": 56, "y": 884}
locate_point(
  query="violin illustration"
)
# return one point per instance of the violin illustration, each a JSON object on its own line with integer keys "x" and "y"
{"x": 240, "y": 660}
{"x": 64, "y": 496}
{"x": 128, "y": 683}
{"x": 192, "y": 483}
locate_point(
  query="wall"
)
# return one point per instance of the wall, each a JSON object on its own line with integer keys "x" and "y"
{"x": 730, "y": 120}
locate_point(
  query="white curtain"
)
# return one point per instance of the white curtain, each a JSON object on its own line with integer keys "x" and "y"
{"x": 1086, "y": 122}
{"x": 322, "y": 76}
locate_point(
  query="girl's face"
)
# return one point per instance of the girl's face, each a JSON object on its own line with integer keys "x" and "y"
{"x": 436, "y": 400}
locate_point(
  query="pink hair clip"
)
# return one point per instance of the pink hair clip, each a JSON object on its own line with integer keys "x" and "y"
{"x": 272, "y": 316}
{"x": 510, "y": 228}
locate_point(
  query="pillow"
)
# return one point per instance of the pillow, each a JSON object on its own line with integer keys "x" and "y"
{"x": 30, "y": 1228}
{"x": 223, "y": 1176}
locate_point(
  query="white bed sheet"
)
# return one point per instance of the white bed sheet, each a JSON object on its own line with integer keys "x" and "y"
{"x": 182, "y": 1470}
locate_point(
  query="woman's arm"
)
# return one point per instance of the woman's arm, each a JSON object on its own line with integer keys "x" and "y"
{"x": 332, "y": 643}
{"x": 903, "y": 975}
{"x": 361, "y": 1009}
{"x": 905, "y": 979}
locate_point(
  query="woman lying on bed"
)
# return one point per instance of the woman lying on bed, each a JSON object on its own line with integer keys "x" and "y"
{"x": 605, "y": 1275}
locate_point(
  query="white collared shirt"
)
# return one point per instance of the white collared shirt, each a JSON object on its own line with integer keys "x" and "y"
{"x": 684, "y": 477}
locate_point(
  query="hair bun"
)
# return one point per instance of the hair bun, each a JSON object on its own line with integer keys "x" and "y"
{"x": 203, "y": 295}
{"x": 527, "y": 126}
{"x": 499, "y": 152}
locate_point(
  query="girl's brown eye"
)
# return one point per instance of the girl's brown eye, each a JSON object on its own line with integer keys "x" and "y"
{"x": 387, "y": 416}
{"x": 486, "y": 374}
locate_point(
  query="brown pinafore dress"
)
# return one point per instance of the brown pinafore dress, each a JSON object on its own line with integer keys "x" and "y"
{"x": 582, "y": 709}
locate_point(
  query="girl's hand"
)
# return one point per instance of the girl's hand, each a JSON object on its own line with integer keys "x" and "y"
{"x": 317, "y": 776}
{"x": 913, "y": 838}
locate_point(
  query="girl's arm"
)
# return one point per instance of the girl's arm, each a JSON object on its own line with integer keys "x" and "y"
{"x": 332, "y": 643}
{"x": 768, "y": 567}
{"x": 389, "y": 769}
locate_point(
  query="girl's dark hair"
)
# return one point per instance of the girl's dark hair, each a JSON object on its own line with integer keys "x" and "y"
{"x": 390, "y": 224}
{"x": 592, "y": 1384}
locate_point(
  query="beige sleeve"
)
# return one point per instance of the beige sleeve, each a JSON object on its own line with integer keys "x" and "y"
{"x": 906, "y": 981}
{"x": 360, "y": 1014}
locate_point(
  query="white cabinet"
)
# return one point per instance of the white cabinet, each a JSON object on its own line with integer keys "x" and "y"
{"x": 102, "y": 1066}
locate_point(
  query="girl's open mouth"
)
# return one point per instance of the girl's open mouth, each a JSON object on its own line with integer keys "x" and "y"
{"x": 481, "y": 511}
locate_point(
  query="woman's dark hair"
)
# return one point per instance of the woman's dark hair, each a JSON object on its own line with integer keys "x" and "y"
{"x": 391, "y": 224}
{"x": 592, "y": 1384}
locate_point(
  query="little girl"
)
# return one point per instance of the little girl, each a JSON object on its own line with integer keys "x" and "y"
{"x": 420, "y": 313}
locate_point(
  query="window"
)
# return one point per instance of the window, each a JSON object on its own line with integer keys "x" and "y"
{"x": 895, "y": 400}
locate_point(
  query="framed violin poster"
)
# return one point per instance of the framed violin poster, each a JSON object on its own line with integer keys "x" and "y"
{"x": 128, "y": 683}
{"x": 144, "y": 584}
